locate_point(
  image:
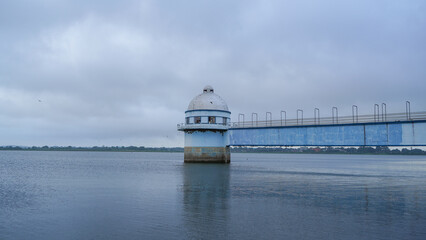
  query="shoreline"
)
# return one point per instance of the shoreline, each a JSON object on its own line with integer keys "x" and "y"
{"x": 340, "y": 151}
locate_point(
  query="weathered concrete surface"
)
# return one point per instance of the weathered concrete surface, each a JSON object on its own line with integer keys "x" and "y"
{"x": 207, "y": 155}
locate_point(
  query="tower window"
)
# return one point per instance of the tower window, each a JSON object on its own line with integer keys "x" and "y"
{"x": 197, "y": 119}
{"x": 187, "y": 120}
{"x": 224, "y": 120}
{"x": 212, "y": 120}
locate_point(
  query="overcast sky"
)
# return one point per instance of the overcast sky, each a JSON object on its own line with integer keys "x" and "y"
{"x": 103, "y": 72}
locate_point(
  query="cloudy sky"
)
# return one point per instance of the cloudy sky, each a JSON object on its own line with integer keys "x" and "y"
{"x": 104, "y": 72}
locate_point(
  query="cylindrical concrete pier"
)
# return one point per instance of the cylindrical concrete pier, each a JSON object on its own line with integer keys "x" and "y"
{"x": 206, "y": 129}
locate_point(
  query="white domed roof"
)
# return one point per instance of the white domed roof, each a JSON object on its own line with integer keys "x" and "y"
{"x": 208, "y": 100}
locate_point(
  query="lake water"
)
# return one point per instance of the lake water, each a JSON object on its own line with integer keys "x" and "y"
{"x": 113, "y": 195}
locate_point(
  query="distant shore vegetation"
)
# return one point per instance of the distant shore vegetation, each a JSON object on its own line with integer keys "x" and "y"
{"x": 95, "y": 148}
{"x": 311, "y": 150}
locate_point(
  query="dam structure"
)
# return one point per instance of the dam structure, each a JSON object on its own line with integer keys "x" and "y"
{"x": 209, "y": 132}
{"x": 207, "y": 121}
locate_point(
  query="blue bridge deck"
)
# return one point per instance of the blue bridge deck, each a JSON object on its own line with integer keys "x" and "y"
{"x": 390, "y": 131}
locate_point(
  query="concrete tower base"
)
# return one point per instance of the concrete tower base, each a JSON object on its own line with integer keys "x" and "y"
{"x": 207, "y": 155}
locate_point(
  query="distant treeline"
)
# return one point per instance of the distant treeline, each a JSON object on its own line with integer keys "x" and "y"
{"x": 319, "y": 150}
{"x": 95, "y": 149}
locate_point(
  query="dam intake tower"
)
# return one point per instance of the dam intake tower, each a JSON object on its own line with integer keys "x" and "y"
{"x": 207, "y": 121}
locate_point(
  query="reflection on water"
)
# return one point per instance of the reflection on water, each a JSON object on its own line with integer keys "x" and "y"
{"x": 206, "y": 200}
{"x": 82, "y": 195}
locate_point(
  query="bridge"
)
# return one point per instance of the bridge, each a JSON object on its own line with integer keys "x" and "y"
{"x": 398, "y": 129}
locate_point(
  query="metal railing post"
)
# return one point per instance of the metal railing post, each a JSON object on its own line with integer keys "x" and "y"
{"x": 376, "y": 115}
{"x": 354, "y": 109}
{"x": 270, "y": 118}
{"x": 408, "y": 110}
{"x": 315, "y": 116}
{"x": 285, "y": 117}
{"x": 384, "y": 112}
{"x": 252, "y": 119}
{"x": 240, "y": 115}
{"x": 299, "y": 110}
{"x": 335, "y": 118}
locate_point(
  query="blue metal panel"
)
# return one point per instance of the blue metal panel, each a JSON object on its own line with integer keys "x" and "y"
{"x": 336, "y": 135}
{"x": 376, "y": 135}
{"x": 353, "y": 135}
{"x": 266, "y": 136}
{"x": 420, "y": 133}
{"x": 394, "y": 134}
{"x": 407, "y": 134}
{"x": 290, "y": 136}
{"x": 325, "y": 135}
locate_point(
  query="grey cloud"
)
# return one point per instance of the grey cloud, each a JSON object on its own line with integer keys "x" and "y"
{"x": 116, "y": 73}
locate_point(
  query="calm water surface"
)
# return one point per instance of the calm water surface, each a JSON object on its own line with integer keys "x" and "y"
{"x": 103, "y": 195}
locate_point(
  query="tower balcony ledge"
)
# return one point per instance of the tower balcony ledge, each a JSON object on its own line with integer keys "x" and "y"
{"x": 202, "y": 126}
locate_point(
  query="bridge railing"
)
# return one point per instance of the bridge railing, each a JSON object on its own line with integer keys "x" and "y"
{"x": 390, "y": 117}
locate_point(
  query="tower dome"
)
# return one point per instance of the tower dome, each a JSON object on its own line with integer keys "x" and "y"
{"x": 208, "y": 100}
